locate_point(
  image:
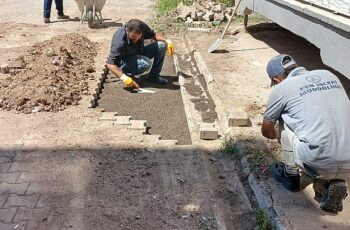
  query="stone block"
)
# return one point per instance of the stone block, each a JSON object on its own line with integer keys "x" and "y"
{"x": 108, "y": 116}
{"x": 23, "y": 167}
{"x": 238, "y": 118}
{"x": 138, "y": 125}
{"x": 123, "y": 120}
{"x": 5, "y": 160}
{"x": 15, "y": 65}
{"x": 7, "y": 214}
{"x": 9, "y": 177}
{"x": 3, "y": 199}
{"x": 4, "y": 167}
{"x": 4, "y": 69}
{"x": 28, "y": 201}
{"x": 208, "y": 133}
{"x": 19, "y": 189}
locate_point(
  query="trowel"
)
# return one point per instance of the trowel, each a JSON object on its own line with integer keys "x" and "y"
{"x": 142, "y": 90}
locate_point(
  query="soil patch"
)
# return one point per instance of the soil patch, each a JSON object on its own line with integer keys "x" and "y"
{"x": 50, "y": 76}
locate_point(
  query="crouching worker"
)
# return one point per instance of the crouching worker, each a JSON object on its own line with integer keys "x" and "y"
{"x": 309, "y": 112}
{"x": 129, "y": 56}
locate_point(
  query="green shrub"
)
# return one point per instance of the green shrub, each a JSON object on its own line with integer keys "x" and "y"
{"x": 164, "y": 6}
{"x": 262, "y": 220}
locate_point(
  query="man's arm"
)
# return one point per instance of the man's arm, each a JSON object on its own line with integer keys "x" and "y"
{"x": 270, "y": 129}
{"x": 115, "y": 70}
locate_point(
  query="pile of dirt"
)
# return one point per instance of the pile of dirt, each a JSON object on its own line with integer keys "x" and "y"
{"x": 51, "y": 76}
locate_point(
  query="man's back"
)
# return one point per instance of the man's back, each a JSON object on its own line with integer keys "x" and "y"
{"x": 315, "y": 107}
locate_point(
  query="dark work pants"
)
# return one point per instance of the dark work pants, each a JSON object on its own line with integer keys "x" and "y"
{"x": 47, "y": 7}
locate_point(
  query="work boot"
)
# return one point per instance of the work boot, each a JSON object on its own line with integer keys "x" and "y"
{"x": 332, "y": 201}
{"x": 289, "y": 181}
{"x": 320, "y": 187}
{"x": 47, "y": 20}
{"x": 158, "y": 80}
{"x": 63, "y": 16}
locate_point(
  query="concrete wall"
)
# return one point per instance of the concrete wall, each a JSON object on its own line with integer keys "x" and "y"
{"x": 340, "y": 6}
{"x": 329, "y": 32}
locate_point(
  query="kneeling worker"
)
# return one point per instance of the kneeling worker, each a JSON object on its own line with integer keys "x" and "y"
{"x": 313, "y": 114}
{"x": 129, "y": 56}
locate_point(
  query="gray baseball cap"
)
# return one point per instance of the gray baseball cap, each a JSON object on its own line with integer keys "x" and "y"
{"x": 277, "y": 65}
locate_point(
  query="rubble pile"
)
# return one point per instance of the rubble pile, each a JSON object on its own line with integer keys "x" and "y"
{"x": 51, "y": 76}
{"x": 203, "y": 10}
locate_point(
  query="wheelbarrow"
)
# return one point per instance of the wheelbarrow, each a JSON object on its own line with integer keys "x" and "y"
{"x": 89, "y": 10}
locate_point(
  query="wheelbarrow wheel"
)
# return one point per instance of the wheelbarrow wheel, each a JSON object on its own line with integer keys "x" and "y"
{"x": 90, "y": 19}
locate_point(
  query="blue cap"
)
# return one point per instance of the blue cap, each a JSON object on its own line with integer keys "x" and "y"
{"x": 279, "y": 64}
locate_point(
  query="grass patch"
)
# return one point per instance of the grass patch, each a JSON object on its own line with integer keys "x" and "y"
{"x": 230, "y": 147}
{"x": 165, "y": 6}
{"x": 262, "y": 220}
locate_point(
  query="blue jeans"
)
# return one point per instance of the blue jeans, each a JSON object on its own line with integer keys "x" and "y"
{"x": 47, "y": 7}
{"x": 139, "y": 64}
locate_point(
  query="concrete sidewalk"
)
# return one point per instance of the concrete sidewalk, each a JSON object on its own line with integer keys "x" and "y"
{"x": 240, "y": 83}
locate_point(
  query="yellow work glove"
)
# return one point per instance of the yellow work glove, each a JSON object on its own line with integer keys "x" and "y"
{"x": 170, "y": 47}
{"x": 128, "y": 81}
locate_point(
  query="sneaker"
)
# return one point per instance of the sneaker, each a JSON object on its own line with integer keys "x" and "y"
{"x": 332, "y": 201}
{"x": 158, "y": 80}
{"x": 320, "y": 187}
{"x": 62, "y": 16}
{"x": 290, "y": 181}
{"x": 47, "y": 20}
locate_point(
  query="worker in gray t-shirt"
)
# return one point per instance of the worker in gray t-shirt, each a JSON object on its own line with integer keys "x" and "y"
{"x": 309, "y": 112}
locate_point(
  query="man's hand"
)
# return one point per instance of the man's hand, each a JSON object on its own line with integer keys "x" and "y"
{"x": 170, "y": 47}
{"x": 129, "y": 82}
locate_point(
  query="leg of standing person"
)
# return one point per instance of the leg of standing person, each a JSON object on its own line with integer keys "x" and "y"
{"x": 47, "y": 10}
{"x": 156, "y": 50}
{"x": 59, "y": 8}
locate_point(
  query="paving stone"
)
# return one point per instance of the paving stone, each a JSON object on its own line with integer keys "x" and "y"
{"x": 4, "y": 167}
{"x": 238, "y": 118}
{"x": 3, "y": 199}
{"x": 15, "y": 65}
{"x": 108, "y": 116}
{"x": 29, "y": 177}
{"x": 19, "y": 189}
{"x": 20, "y": 201}
{"x": 32, "y": 214}
{"x": 7, "y": 214}
{"x": 138, "y": 126}
{"x": 22, "y": 167}
{"x": 207, "y": 131}
{"x": 13, "y": 226}
{"x": 5, "y": 160}
{"x": 9, "y": 177}
{"x": 122, "y": 120}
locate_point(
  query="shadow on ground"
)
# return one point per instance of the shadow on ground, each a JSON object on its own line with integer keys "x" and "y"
{"x": 284, "y": 41}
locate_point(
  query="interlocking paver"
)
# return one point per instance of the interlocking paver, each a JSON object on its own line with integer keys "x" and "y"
{"x": 4, "y": 167}
{"x": 33, "y": 214}
{"x": 22, "y": 167}
{"x": 7, "y": 214}
{"x": 9, "y": 177}
{"x": 27, "y": 201}
{"x": 5, "y": 160}
{"x": 108, "y": 116}
{"x": 12, "y": 226}
{"x": 3, "y": 199}
{"x": 18, "y": 189}
{"x": 29, "y": 177}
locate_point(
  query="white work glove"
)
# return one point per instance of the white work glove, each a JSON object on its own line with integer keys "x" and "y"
{"x": 170, "y": 47}
{"x": 128, "y": 81}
